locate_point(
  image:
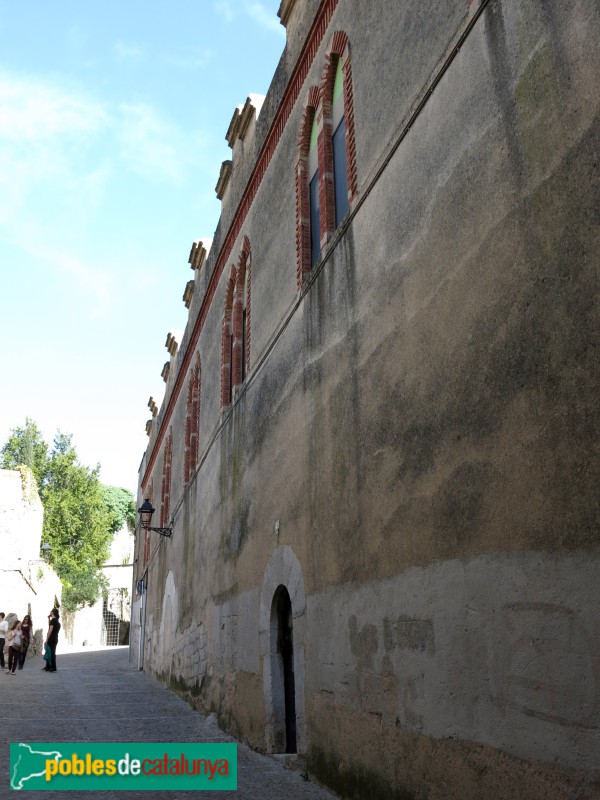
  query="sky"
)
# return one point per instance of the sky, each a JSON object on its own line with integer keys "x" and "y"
{"x": 113, "y": 118}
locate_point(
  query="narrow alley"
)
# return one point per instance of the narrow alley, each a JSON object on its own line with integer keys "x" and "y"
{"x": 97, "y": 695}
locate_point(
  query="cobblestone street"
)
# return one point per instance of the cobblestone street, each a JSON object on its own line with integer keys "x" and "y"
{"x": 97, "y": 695}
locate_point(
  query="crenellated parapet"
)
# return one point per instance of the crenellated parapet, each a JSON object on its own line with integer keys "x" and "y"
{"x": 285, "y": 11}
{"x": 171, "y": 344}
{"x": 242, "y": 116}
{"x": 188, "y": 294}
{"x": 197, "y": 255}
{"x": 224, "y": 177}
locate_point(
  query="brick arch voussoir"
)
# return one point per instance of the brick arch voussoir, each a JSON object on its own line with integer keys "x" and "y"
{"x": 308, "y": 115}
{"x": 339, "y": 42}
{"x": 244, "y": 253}
{"x": 335, "y": 51}
{"x": 339, "y": 49}
{"x": 230, "y": 288}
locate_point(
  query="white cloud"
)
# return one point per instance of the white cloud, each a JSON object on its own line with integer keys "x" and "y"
{"x": 154, "y": 147}
{"x": 128, "y": 52}
{"x": 148, "y": 143}
{"x": 48, "y": 184}
{"x": 33, "y": 111}
{"x": 264, "y": 17}
{"x": 192, "y": 62}
{"x": 223, "y": 7}
{"x": 43, "y": 132}
{"x": 95, "y": 282}
{"x": 60, "y": 151}
{"x": 49, "y": 134}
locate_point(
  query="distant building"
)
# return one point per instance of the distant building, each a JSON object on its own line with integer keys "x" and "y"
{"x": 107, "y": 622}
{"x": 379, "y": 444}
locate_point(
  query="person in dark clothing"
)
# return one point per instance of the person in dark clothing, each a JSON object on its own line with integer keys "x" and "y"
{"x": 26, "y": 634}
{"x": 3, "y": 635}
{"x": 52, "y": 638}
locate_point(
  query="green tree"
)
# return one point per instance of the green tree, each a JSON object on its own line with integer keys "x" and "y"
{"x": 80, "y": 514}
{"x": 121, "y": 507}
{"x": 77, "y": 524}
{"x": 26, "y": 447}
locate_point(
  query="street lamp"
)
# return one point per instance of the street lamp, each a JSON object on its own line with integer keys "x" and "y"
{"x": 145, "y": 511}
{"x": 45, "y": 551}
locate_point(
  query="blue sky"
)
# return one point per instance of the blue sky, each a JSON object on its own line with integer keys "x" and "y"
{"x": 112, "y": 132}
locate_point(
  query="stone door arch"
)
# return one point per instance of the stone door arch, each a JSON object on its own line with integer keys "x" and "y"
{"x": 282, "y": 638}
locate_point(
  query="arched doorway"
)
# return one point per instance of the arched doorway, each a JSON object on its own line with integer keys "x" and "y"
{"x": 284, "y": 687}
{"x": 282, "y": 638}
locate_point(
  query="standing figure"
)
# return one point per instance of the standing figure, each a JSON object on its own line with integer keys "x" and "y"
{"x": 52, "y": 638}
{"x": 14, "y": 647}
{"x": 3, "y": 635}
{"x": 26, "y": 634}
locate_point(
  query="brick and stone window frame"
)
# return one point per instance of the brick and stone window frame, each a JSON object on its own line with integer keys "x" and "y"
{"x": 165, "y": 497}
{"x": 235, "y": 326}
{"x": 319, "y": 107}
{"x": 337, "y": 62}
{"x": 192, "y": 422}
{"x": 303, "y": 232}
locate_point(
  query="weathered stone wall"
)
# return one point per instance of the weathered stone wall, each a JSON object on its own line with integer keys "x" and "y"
{"x": 27, "y": 584}
{"x": 415, "y": 452}
{"x": 21, "y": 519}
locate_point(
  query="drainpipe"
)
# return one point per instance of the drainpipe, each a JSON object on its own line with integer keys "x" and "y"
{"x": 142, "y": 587}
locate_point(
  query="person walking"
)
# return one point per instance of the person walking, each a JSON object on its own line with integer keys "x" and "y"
{"x": 14, "y": 647}
{"x": 52, "y": 639}
{"x": 26, "y": 634}
{"x": 3, "y": 635}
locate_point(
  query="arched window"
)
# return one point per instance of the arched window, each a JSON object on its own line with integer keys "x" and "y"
{"x": 326, "y": 167}
{"x": 165, "y": 504}
{"x": 308, "y": 222}
{"x": 313, "y": 194}
{"x": 235, "y": 343}
{"x": 241, "y": 316}
{"x": 227, "y": 343}
{"x": 338, "y": 139}
{"x": 192, "y": 423}
{"x": 338, "y": 131}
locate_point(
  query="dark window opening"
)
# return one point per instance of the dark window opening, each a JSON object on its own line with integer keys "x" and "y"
{"x": 315, "y": 219}
{"x": 230, "y": 368}
{"x": 286, "y": 650}
{"x": 243, "y": 376}
{"x": 340, "y": 172}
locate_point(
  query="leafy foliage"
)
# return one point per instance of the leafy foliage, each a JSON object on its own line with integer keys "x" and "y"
{"x": 121, "y": 507}
{"x": 26, "y": 447}
{"x": 77, "y": 524}
{"x": 80, "y": 514}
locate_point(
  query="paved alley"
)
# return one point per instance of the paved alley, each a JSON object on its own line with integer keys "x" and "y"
{"x": 97, "y": 695}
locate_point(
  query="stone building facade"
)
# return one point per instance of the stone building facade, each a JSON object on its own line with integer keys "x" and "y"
{"x": 379, "y": 444}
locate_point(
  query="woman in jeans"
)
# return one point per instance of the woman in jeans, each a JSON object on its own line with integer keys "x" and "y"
{"x": 26, "y": 634}
{"x": 14, "y": 647}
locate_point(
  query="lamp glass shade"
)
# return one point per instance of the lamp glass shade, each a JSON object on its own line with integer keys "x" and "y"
{"x": 145, "y": 511}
